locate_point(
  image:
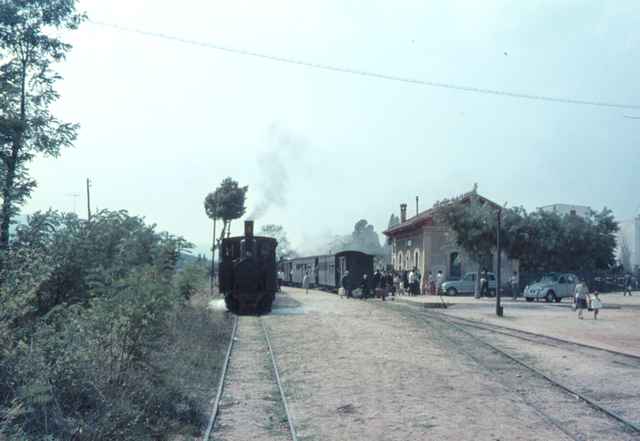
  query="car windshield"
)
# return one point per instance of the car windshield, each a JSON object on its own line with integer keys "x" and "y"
{"x": 552, "y": 277}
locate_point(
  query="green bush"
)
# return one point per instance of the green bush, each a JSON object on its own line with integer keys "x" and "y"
{"x": 91, "y": 317}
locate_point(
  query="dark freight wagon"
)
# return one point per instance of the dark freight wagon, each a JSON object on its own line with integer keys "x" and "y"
{"x": 326, "y": 271}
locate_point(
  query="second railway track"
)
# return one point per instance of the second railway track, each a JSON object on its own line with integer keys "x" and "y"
{"x": 631, "y": 360}
{"x": 550, "y": 397}
{"x": 250, "y": 402}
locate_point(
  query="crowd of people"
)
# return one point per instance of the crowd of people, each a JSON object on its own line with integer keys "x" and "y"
{"x": 384, "y": 283}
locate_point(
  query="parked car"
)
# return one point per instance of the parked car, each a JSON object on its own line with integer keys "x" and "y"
{"x": 552, "y": 287}
{"x": 467, "y": 285}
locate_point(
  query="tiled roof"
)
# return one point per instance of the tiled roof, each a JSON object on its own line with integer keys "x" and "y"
{"x": 427, "y": 215}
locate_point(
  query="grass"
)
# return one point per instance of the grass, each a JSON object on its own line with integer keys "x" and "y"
{"x": 194, "y": 360}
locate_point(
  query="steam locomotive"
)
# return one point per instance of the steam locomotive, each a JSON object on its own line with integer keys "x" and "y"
{"x": 247, "y": 274}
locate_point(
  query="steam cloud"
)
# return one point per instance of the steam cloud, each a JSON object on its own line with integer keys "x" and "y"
{"x": 284, "y": 149}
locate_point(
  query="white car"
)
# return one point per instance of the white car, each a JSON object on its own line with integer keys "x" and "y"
{"x": 552, "y": 287}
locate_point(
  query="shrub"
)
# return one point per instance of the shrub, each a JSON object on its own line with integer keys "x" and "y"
{"x": 91, "y": 319}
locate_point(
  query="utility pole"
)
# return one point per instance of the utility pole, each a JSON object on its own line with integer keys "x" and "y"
{"x": 88, "y": 199}
{"x": 213, "y": 255}
{"x": 499, "y": 309}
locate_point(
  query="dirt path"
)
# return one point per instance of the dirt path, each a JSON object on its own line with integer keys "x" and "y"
{"x": 355, "y": 371}
{"x": 251, "y": 407}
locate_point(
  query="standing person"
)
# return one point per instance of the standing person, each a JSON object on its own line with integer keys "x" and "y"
{"x": 412, "y": 282}
{"x": 439, "y": 281}
{"x": 405, "y": 281}
{"x": 582, "y": 291}
{"x": 376, "y": 281}
{"x": 280, "y": 279}
{"x": 484, "y": 283}
{"x": 515, "y": 290}
{"x": 596, "y": 304}
{"x": 364, "y": 286}
{"x": 390, "y": 283}
{"x": 305, "y": 282}
{"x": 346, "y": 284}
{"x": 431, "y": 283}
{"x": 627, "y": 284}
{"x": 396, "y": 284}
{"x": 383, "y": 285}
{"x": 418, "y": 282}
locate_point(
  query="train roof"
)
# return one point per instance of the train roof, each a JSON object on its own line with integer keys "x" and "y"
{"x": 325, "y": 255}
{"x": 234, "y": 238}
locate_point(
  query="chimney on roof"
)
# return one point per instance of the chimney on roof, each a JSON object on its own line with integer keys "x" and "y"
{"x": 403, "y": 213}
{"x": 248, "y": 228}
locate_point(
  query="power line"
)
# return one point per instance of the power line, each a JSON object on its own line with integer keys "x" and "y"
{"x": 364, "y": 73}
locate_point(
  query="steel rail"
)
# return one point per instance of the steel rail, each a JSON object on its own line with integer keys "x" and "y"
{"x": 505, "y": 330}
{"x": 223, "y": 375}
{"x": 535, "y": 408}
{"x": 592, "y": 403}
{"x": 292, "y": 430}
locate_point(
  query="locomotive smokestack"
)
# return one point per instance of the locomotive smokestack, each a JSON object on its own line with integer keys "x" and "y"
{"x": 248, "y": 228}
{"x": 403, "y": 213}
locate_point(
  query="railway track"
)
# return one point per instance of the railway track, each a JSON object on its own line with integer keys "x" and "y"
{"x": 250, "y": 402}
{"x": 629, "y": 359}
{"x": 553, "y": 400}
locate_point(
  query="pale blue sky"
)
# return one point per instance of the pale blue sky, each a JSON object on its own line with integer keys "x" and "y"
{"x": 162, "y": 123}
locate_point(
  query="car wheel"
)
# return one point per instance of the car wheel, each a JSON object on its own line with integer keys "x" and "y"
{"x": 558, "y": 299}
{"x": 529, "y": 299}
{"x": 551, "y": 297}
{"x": 452, "y": 292}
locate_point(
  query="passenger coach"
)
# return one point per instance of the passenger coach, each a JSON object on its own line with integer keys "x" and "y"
{"x": 327, "y": 271}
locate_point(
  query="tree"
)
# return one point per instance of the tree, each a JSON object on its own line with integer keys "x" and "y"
{"x": 542, "y": 241}
{"x": 28, "y": 49}
{"x": 226, "y": 203}
{"x": 474, "y": 225}
{"x": 283, "y": 251}
{"x": 393, "y": 221}
{"x": 365, "y": 239}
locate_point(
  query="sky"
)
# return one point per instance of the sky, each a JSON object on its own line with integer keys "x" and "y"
{"x": 163, "y": 123}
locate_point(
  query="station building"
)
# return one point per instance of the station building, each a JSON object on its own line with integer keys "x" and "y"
{"x": 628, "y": 244}
{"x": 426, "y": 243}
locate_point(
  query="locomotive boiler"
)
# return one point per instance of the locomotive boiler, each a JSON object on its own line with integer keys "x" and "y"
{"x": 247, "y": 274}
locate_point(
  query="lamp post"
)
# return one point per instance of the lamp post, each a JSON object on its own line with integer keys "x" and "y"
{"x": 499, "y": 309}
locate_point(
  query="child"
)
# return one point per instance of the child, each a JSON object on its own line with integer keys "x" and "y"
{"x": 596, "y": 304}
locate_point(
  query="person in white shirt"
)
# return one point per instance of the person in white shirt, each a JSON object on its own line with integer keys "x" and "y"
{"x": 582, "y": 293}
{"x": 439, "y": 281}
{"x": 412, "y": 282}
{"x": 596, "y": 304}
{"x": 515, "y": 290}
{"x": 280, "y": 279}
{"x": 305, "y": 282}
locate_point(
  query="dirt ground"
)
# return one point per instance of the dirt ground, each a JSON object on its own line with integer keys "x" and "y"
{"x": 615, "y": 329}
{"x": 354, "y": 370}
